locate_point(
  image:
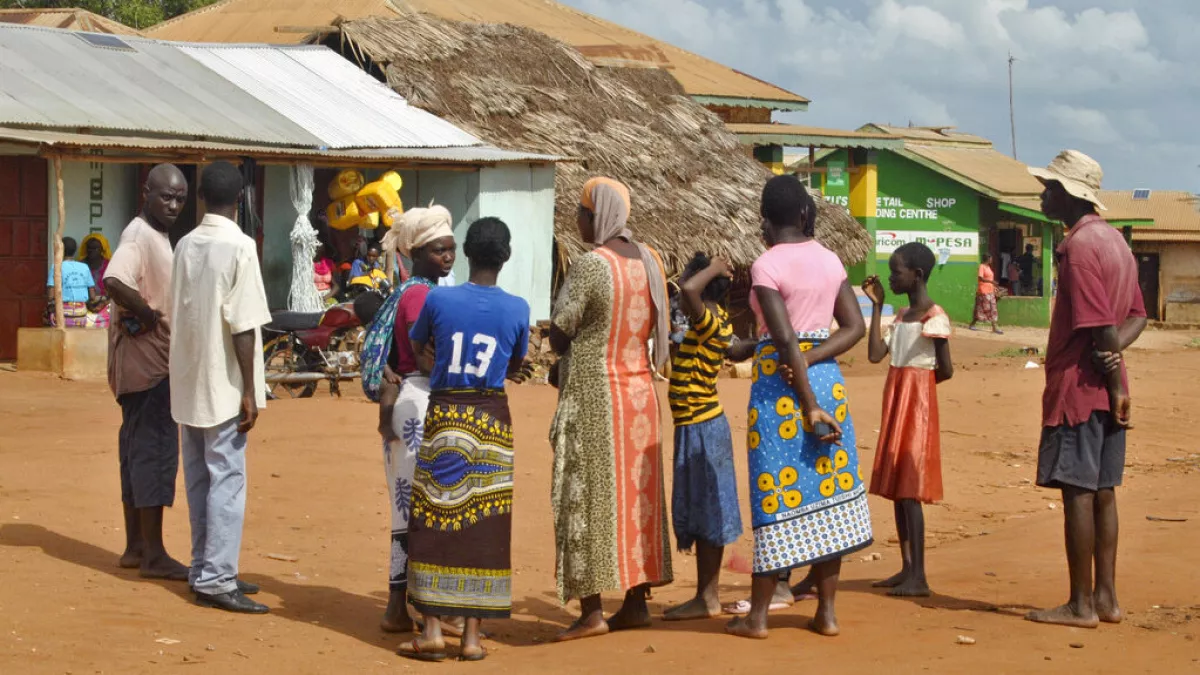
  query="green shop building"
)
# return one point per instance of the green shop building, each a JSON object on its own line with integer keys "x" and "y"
{"x": 964, "y": 199}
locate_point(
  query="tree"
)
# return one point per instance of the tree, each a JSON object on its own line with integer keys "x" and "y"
{"x": 139, "y": 14}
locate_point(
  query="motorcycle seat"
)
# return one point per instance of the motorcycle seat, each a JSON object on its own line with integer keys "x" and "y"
{"x": 291, "y": 321}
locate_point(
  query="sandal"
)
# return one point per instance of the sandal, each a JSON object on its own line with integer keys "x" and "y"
{"x": 742, "y": 607}
{"x": 412, "y": 650}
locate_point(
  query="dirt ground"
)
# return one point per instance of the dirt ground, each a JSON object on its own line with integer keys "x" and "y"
{"x": 317, "y": 495}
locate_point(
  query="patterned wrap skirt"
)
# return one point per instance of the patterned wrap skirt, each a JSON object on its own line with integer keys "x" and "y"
{"x": 460, "y": 534}
{"x": 704, "y": 500}
{"x": 908, "y": 459}
{"x": 808, "y": 502}
{"x": 986, "y": 308}
{"x": 399, "y": 462}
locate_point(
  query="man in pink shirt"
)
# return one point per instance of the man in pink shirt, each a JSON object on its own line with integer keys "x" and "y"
{"x": 138, "y": 279}
{"x": 1099, "y": 312}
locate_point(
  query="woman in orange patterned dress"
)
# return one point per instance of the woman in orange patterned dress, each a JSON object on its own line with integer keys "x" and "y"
{"x": 610, "y": 515}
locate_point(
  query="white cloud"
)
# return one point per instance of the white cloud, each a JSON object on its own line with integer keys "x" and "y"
{"x": 1083, "y": 124}
{"x": 1112, "y": 77}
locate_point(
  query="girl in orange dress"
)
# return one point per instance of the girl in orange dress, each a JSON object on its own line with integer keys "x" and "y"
{"x": 908, "y": 463}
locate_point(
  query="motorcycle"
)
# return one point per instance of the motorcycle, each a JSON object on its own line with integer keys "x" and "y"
{"x": 304, "y": 348}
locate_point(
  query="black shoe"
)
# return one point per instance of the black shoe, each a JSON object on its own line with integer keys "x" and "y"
{"x": 245, "y": 587}
{"x": 235, "y": 601}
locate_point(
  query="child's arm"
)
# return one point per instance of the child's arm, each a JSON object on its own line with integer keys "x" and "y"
{"x": 945, "y": 367}
{"x": 692, "y": 290}
{"x": 740, "y": 350}
{"x": 877, "y": 349}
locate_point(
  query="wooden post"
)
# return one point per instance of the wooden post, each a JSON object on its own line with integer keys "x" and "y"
{"x": 59, "y": 319}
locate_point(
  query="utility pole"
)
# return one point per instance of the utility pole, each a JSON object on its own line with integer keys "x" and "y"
{"x": 1012, "y": 117}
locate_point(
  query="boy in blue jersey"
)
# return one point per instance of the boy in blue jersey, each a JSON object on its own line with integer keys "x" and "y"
{"x": 460, "y": 531}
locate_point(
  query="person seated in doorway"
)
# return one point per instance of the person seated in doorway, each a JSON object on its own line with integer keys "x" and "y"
{"x": 367, "y": 273}
{"x": 94, "y": 251}
{"x": 325, "y": 275}
{"x": 82, "y": 306}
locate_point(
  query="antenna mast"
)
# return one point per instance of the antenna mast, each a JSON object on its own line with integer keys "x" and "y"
{"x": 1012, "y": 117}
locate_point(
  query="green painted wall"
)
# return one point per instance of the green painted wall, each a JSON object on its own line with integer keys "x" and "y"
{"x": 915, "y": 203}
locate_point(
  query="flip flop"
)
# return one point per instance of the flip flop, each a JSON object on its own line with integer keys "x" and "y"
{"x": 483, "y": 653}
{"x": 804, "y": 596}
{"x": 742, "y": 607}
{"x": 450, "y": 629}
{"x": 414, "y": 652}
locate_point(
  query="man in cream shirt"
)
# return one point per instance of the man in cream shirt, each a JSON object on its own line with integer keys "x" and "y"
{"x": 218, "y": 305}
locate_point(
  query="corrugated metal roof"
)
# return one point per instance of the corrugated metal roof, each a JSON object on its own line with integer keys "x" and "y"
{"x": 983, "y": 168}
{"x": 802, "y": 136}
{"x": 71, "y": 18}
{"x": 291, "y": 96}
{"x": 475, "y": 154}
{"x": 936, "y": 135}
{"x": 284, "y": 21}
{"x": 1116, "y": 212}
{"x": 1176, "y": 215}
{"x": 328, "y": 96}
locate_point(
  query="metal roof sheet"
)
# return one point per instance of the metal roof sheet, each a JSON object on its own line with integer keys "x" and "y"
{"x": 285, "y": 21}
{"x": 1174, "y": 212}
{"x": 983, "y": 168}
{"x": 802, "y": 136}
{"x": 290, "y": 96}
{"x": 328, "y": 96}
{"x": 475, "y": 154}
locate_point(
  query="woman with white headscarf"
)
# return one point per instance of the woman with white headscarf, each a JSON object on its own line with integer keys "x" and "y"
{"x": 610, "y": 512}
{"x": 396, "y": 376}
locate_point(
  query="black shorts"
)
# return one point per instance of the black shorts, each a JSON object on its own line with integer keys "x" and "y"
{"x": 1089, "y": 456}
{"x": 148, "y": 447}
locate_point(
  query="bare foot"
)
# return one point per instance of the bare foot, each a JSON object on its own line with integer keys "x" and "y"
{"x": 743, "y": 627}
{"x": 1065, "y": 615}
{"x": 824, "y": 626}
{"x": 628, "y": 618}
{"x": 399, "y": 624}
{"x": 696, "y": 608}
{"x": 163, "y": 567}
{"x": 130, "y": 560}
{"x": 910, "y": 588}
{"x": 583, "y": 628}
{"x": 893, "y": 581}
{"x": 1107, "y": 609}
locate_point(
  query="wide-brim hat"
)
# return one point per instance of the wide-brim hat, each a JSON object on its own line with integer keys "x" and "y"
{"x": 1079, "y": 175}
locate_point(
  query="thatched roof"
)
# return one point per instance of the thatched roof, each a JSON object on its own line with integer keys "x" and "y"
{"x": 694, "y": 188}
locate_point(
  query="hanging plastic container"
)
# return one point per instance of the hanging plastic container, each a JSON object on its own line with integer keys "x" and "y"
{"x": 381, "y": 195}
{"x": 392, "y": 216}
{"x": 369, "y": 221}
{"x": 392, "y": 178}
{"x": 343, "y": 214}
{"x": 346, "y": 184}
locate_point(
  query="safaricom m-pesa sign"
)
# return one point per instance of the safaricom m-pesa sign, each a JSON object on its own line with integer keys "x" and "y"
{"x": 947, "y": 246}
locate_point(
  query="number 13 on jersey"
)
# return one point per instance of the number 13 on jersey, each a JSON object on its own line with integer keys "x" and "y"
{"x": 483, "y": 347}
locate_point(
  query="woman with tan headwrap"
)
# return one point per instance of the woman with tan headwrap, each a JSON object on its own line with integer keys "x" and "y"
{"x": 393, "y": 374}
{"x": 610, "y": 513}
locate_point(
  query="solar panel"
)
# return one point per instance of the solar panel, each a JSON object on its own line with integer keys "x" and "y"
{"x": 1141, "y": 195}
{"x": 103, "y": 40}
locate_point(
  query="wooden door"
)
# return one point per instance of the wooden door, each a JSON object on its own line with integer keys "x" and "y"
{"x": 1148, "y": 281}
{"x": 24, "y": 209}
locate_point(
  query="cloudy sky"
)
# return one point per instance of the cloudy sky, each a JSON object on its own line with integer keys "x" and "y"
{"x": 1117, "y": 79}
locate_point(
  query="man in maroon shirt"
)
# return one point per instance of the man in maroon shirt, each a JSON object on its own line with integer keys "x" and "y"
{"x": 1099, "y": 312}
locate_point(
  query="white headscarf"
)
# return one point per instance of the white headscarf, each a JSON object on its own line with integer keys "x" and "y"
{"x": 416, "y": 228}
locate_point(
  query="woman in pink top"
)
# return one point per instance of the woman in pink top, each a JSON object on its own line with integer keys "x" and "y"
{"x": 808, "y": 503}
{"x": 323, "y": 269}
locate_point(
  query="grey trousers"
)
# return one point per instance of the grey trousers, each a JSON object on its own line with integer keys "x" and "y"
{"x": 214, "y": 469}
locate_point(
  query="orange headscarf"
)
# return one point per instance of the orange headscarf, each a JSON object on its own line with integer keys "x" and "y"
{"x": 608, "y": 200}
